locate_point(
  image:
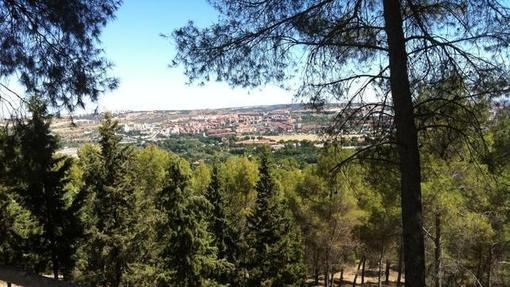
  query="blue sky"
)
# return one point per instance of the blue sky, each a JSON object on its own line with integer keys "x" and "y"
{"x": 141, "y": 57}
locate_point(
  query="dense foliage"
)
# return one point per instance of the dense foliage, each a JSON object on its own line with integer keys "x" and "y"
{"x": 119, "y": 215}
{"x": 409, "y": 63}
{"x": 52, "y": 49}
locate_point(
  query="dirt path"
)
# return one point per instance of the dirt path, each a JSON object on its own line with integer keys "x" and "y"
{"x": 19, "y": 277}
{"x": 370, "y": 278}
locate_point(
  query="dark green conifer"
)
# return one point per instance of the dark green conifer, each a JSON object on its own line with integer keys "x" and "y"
{"x": 275, "y": 255}
{"x": 40, "y": 179}
{"x": 112, "y": 201}
{"x": 217, "y": 220}
{"x": 189, "y": 255}
{"x": 225, "y": 238}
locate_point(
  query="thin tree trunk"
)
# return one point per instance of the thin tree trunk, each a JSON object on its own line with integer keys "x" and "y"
{"x": 363, "y": 272}
{"x": 379, "y": 268}
{"x": 357, "y": 271}
{"x": 54, "y": 258}
{"x": 438, "y": 280}
{"x": 49, "y": 226}
{"x": 379, "y": 274}
{"x": 55, "y": 268}
{"x": 341, "y": 278}
{"x": 407, "y": 144}
{"x": 479, "y": 264}
{"x": 326, "y": 268}
{"x": 332, "y": 280}
{"x": 489, "y": 268}
{"x": 387, "y": 272}
{"x": 316, "y": 267}
{"x": 399, "y": 274}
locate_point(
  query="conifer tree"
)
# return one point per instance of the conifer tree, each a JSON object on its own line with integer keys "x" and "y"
{"x": 112, "y": 201}
{"x": 40, "y": 183}
{"x": 6, "y": 220}
{"x": 147, "y": 175}
{"x": 351, "y": 50}
{"x": 275, "y": 255}
{"x": 218, "y": 223}
{"x": 189, "y": 256}
{"x": 225, "y": 238}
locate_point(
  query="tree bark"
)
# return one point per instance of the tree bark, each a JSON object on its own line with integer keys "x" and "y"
{"x": 316, "y": 268}
{"x": 437, "y": 252}
{"x": 489, "y": 268}
{"x": 379, "y": 274}
{"x": 363, "y": 272}
{"x": 479, "y": 264}
{"x": 387, "y": 272}
{"x": 379, "y": 268}
{"x": 407, "y": 141}
{"x": 341, "y": 278}
{"x": 357, "y": 271}
{"x": 399, "y": 274}
{"x": 55, "y": 267}
{"x": 326, "y": 268}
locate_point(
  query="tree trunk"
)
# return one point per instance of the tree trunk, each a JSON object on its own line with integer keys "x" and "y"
{"x": 387, "y": 272}
{"x": 399, "y": 274}
{"x": 407, "y": 144}
{"x": 316, "y": 268}
{"x": 357, "y": 271}
{"x": 332, "y": 280}
{"x": 379, "y": 268}
{"x": 55, "y": 265}
{"x": 379, "y": 274}
{"x": 341, "y": 278}
{"x": 437, "y": 253}
{"x": 50, "y": 227}
{"x": 55, "y": 270}
{"x": 480, "y": 263}
{"x": 326, "y": 268}
{"x": 363, "y": 272}
{"x": 489, "y": 268}
{"x": 326, "y": 272}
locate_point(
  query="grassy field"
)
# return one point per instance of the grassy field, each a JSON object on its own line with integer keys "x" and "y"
{"x": 295, "y": 137}
{"x": 308, "y": 137}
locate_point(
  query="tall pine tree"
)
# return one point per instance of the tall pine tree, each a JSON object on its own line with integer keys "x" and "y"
{"x": 40, "y": 179}
{"x": 217, "y": 220}
{"x": 275, "y": 255}
{"x": 112, "y": 202}
{"x": 225, "y": 238}
{"x": 189, "y": 256}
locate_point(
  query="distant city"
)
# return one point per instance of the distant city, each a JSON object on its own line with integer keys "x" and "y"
{"x": 272, "y": 125}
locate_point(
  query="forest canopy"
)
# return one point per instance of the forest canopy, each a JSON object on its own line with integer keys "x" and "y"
{"x": 122, "y": 215}
{"x": 422, "y": 201}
